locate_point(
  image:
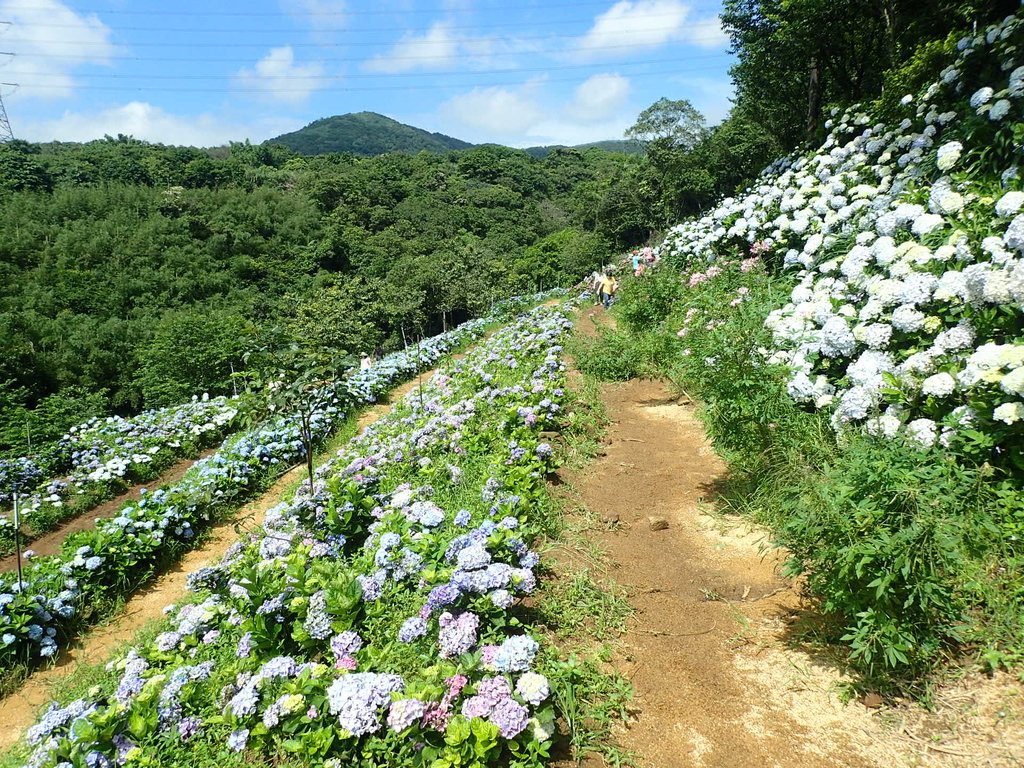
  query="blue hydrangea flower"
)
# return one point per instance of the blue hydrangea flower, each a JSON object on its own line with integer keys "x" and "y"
{"x": 238, "y": 739}
{"x": 516, "y": 654}
{"x": 358, "y": 698}
{"x": 411, "y": 629}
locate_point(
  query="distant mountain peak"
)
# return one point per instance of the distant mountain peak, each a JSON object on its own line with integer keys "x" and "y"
{"x": 365, "y": 133}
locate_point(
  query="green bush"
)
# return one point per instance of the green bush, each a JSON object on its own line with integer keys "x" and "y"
{"x": 894, "y": 543}
{"x": 644, "y": 303}
{"x": 614, "y": 355}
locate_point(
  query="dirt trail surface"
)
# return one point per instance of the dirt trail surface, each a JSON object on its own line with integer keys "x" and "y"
{"x": 50, "y": 543}
{"x": 718, "y": 681}
{"x": 19, "y": 710}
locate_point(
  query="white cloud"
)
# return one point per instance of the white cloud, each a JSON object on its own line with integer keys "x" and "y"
{"x": 497, "y": 110}
{"x": 327, "y": 13}
{"x": 433, "y": 49}
{"x": 530, "y": 115}
{"x": 598, "y": 98}
{"x": 279, "y": 78}
{"x": 50, "y": 40}
{"x": 632, "y": 25}
{"x": 150, "y": 123}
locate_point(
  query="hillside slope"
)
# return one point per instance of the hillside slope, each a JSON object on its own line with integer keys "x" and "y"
{"x": 367, "y": 134}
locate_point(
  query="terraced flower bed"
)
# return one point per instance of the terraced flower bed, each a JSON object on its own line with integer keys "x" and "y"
{"x": 102, "y": 457}
{"x": 96, "y": 567}
{"x": 373, "y": 620}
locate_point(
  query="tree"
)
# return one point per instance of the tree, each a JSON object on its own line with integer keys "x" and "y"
{"x": 795, "y": 56}
{"x": 668, "y": 126}
{"x": 191, "y": 353}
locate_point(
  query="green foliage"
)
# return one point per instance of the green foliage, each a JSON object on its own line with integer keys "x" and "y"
{"x": 643, "y": 304}
{"x": 615, "y": 355}
{"x": 848, "y": 47}
{"x": 25, "y": 431}
{"x": 190, "y": 354}
{"x": 139, "y": 271}
{"x": 591, "y": 701}
{"x": 895, "y": 545}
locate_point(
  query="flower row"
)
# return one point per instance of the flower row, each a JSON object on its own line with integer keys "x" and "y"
{"x": 102, "y": 455}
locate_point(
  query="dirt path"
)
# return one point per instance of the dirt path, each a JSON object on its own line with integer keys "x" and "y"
{"x": 18, "y": 710}
{"x": 697, "y": 593}
{"x": 718, "y": 681}
{"x": 50, "y": 543}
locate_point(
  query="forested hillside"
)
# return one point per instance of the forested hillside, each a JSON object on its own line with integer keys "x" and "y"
{"x": 136, "y": 275}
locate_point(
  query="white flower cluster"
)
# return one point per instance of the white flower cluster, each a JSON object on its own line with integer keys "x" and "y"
{"x": 910, "y": 268}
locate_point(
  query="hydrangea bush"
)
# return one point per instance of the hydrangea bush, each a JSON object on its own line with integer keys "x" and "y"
{"x": 368, "y": 622}
{"x": 907, "y": 244}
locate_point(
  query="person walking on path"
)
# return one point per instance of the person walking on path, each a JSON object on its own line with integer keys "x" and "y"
{"x": 609, "y": 285}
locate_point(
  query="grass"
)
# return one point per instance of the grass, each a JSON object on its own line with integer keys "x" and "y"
{"x": 577, "y": 604}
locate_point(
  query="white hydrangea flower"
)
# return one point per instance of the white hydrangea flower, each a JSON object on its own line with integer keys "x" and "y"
{"x": 1013, "y": 382}
{"x": 1009, "y": 204}
{"x": 923, "y": 432}
{"x": 949, "y": 202}
{"x": 981, "y": 97}
{"x": 960, "y": 337}
{"x": 1009, "y": 413}
{"x": 1016, "y": 85}
{"x": 1014, "y": 235}
{"x": 948, "y": 155}
{"x": 939, "y": 385}
{"x": 926, "y": 223}
{"x": 999, "y": 110}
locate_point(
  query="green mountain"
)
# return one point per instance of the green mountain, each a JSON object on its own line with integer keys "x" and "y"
{"x": 365, "y": 133}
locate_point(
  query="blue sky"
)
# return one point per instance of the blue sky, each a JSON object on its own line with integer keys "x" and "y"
{"x": 516, "y": 72}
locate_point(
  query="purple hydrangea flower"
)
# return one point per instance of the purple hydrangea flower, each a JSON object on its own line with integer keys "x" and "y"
{"x": 473, "y": 557}
{"x": 511, "y": 718}
{"x": 440, "y": 596}
{"x": 278, "y": 667}
{"x": 167, "y": 641}
{"x": 189, "y": 727}
{"x": 346, "y": 644}
{"x": 238, "y": 739}
{"x": 358, "y": 698}
{"x": 458, "y": 634}
{"x": 244, "y": 648}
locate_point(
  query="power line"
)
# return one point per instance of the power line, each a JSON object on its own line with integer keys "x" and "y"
{"x": 361, "y": 30}
{"x": 373, "y": 76}
{"x": 561, "y": 39}
{"x": 332, "y": 59}
{"x": 339, "y": 89}
{"x": 547, "y": 8}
